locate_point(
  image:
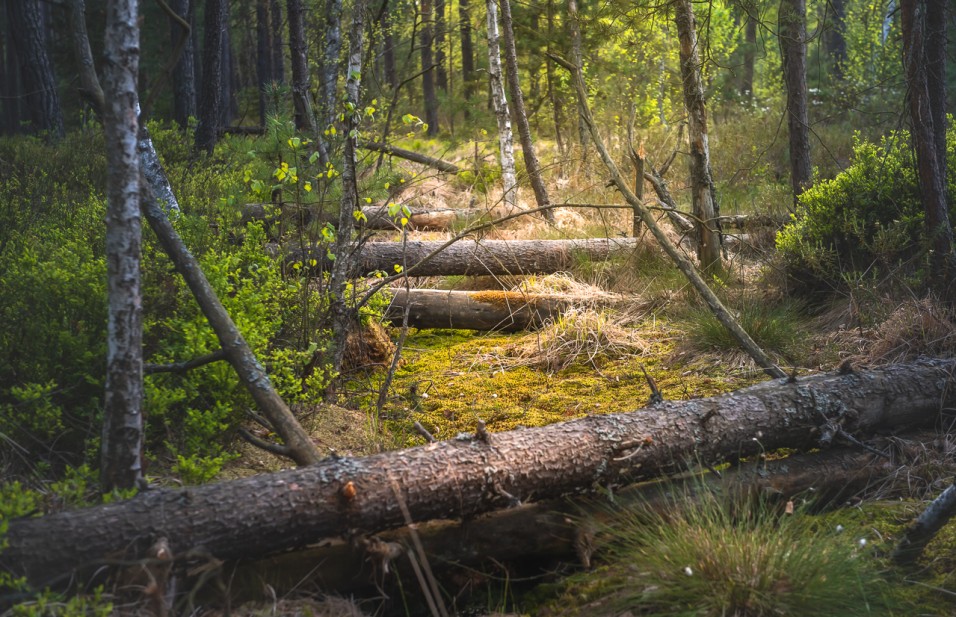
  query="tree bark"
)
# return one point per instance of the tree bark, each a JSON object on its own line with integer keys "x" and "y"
{"x": 471, "y": 475}
{"x": 329, "y": 62}
{"x": 502, "y": 114}
{"x": 500, "y": 311}
{"x": 521, "y": 115}
{"x": 36, "y": 69}
{"x": 426, "y": 41}
{"x": 702, "y": 184}
{"x": 925, "y": 527}
{"x": 749, "y": 59}
{"x": 184, "y": 73}
{"x": 388, "y": 47}
{"x": 341, "y": 311}
{"x": 301, "y": 82}
{"x": 438, "y": 164}
{"x": 552, "y": 90}
{"x": 278, "y": 57}
{"x": 577, "y": 57}
{"x": 263, "y": 57}
{"x": 210, "y": 100}
{"x": 467, "y": 49}
{"x": 441, "y": 69}
{"x": 89, "y": 84}
{"x": 792, "y": 24}
{"x": 936, "y": 21}
{"x": 835, "y": 39}
{"x": 121, "y": 450}
{"x": 499, "y": 257}
{"x": 914, "y": 15}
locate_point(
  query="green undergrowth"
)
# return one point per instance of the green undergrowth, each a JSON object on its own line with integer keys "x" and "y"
{"x": 451, "y": 379}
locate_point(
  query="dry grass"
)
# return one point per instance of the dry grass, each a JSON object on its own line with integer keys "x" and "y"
{"x": 916, "y": 327}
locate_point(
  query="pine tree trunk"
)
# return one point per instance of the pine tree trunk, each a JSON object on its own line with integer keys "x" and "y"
{"x": 577, "y": 57}
{"x": 388, "y": 47}
{"x": 835, "y": 39}
{"x": 10, "y": 89}
{"x": 263, "y": 58}
{"x": 749, "y": 59}
{"x": 36, "y": 69}
{"x": 467, "y": 49}
{"x": 426, "y": 42}
{"x": 301, "y": 81}
{"x": 914, "y": 17}
{"x": 441, "y": 71}
{"x": 184, "y": 73}
{"x": 461, "y": 478}
{"x": 936, "y": 22}
{"x": 793, "y": 46}
{"x": 521, "y": 115}
{"x": 210, "y": 102}
{"x": 278, "y": 56}
{"x": 552, "y": 90}
{"x": 702, "y": 184}
{"x": 502, "y": 113}
{"x": 122, "y": 444}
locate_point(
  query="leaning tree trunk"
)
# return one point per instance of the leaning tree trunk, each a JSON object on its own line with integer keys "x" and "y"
{"x": 914, "y": 16}
{"x": 36, "y": 69}
{"x": 210, "y": 101}
{"x": 792, "y": 19}
{"x": 686, "y": 267}
{"x": 121, "y": 464}
{"x": 521, "y": 115}
{"x": 342, "y": 313}
{"x": 156, "y": 200}
{"x": 478, "y": 473}
{"x": 502, "y": 114}
{"x": 702, "y": 184}
{"x": 301, "y": 82}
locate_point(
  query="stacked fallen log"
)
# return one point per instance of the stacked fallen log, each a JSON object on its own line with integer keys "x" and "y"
{"x": 470, "y": 257}
{"x": 503, "y": 311}
{"x": 473, "y": 474}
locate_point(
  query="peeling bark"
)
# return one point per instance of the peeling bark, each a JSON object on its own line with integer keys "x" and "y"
{"x": 467, "y": 476}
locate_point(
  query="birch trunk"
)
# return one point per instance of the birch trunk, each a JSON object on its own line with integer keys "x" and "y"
{"x": 506, "y": 142}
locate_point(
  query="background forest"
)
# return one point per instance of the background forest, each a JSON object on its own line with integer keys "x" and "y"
{"x": 285, "y": 144}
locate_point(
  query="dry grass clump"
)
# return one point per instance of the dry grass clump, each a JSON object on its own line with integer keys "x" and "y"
{"x": 578, "y": 335}
{"x": 916, "y": 327}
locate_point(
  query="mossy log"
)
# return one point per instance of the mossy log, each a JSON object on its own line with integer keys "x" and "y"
{"x": 472, "y": 474}
{"x": 504, "y": 311}
{"x": 474, "y": 257}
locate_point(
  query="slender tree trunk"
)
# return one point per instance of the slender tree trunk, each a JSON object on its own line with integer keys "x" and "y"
{"x": 278, "y": 47}
{"x": 36, "y": 69}
{"x": 329, "y": 63}
{"x": 184, "y": 73}
{"x": 121, "y": 465}
{"x": 229, "y": 83}
{"x": 936, "y": 20}
{"x": 749, "y": 59}
{"x": 441, "y": 71}
{"x": 702, "y": 184}
{"x": 388, "y": 47}
{"x": 574, "y": 23}
{"x": 792, "y": 19}
{"x": 552, "y": 90}
{"x": 428, "y": 68}
{"x": 467, "y": 49}
{"x": 914, "y": 17}
{"x": 263, "y": 57}
{"x": 835, "y": 39}
{"x": 301, "y": 82}
{"x": 520, "y": 114}
{"x": 342, "y": 313}
{"x": 210, "y": 103}
{"x": 502, "y": 114}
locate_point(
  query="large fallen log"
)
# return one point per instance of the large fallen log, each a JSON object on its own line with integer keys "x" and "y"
{"x": 504, "y": 311}
{"x": 469, "y": 475}
{"x": 471, "y": 257}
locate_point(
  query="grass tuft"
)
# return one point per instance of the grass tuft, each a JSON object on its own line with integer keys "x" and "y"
{"x": 778, "y": 328}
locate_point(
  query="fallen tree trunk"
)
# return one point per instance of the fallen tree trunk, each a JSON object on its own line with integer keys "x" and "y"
{"x": 415, "y": 157}
{"x": 503, "y": 311}
{"x": 536, "y": 538}
{"x": 467, "y": 476}
{"x": 475, "y": 258}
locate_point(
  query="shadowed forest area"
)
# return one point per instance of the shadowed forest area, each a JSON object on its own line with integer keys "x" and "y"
{"x": 441, "y": 307}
